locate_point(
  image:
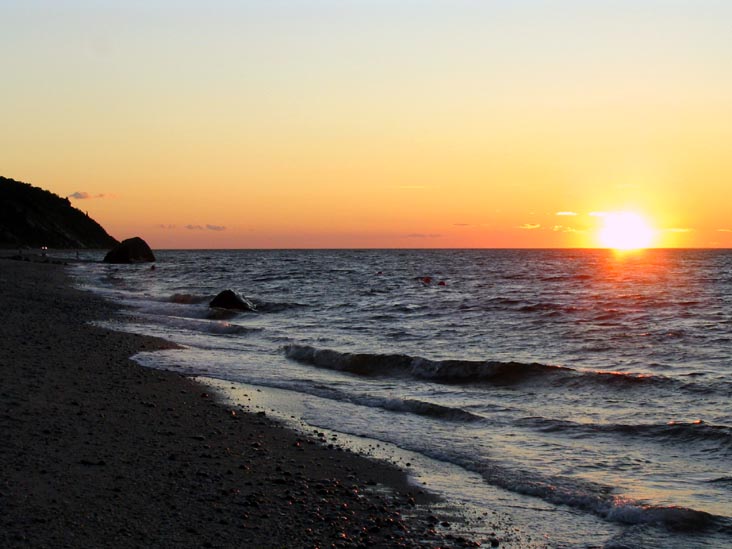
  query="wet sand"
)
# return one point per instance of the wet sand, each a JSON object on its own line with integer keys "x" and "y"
{"x": 100, "y": 452}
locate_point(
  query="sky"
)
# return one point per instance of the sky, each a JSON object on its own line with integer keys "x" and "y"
{"x": 374, "y": 123}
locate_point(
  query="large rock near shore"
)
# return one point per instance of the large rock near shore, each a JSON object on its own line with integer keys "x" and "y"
{"x": 229, "y": 299}
{"x": 132, "y": 250}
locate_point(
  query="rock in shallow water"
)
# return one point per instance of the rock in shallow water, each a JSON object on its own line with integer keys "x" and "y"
{"x": 131, "y": 250}
{"x": 228, "y": 299}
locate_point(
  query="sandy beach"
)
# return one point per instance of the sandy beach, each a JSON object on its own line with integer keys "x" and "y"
{"x": 100, "y": 452}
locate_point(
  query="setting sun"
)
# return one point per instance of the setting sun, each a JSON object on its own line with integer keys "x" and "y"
{"x": 625, "y": 231}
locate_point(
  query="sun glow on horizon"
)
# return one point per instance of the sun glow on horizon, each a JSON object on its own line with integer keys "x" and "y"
{"x": 625, "y": 231}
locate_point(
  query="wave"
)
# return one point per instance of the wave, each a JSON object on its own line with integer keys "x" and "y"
{"x": 609, "y": 377}
{"x": 275, "y": 306}
{"x": 189, "y": 299}
{"x": 399, "y": 405}
{"x": 504, "y": 301}
{"x": 214, "y": 327}
{"x": 379, "y": 365}
{"x": 419, "y": 407}
{"x": 597, "y": 499}
{"x": 566, "y": 277}
{"x": 490, "y": 371}
{"x": 674, "y": 432}
{"x": 544, "y": 308}
{"x": 680, "y": 519}
{"x": 402, "y": 365}
{"x": 591, "y": 497}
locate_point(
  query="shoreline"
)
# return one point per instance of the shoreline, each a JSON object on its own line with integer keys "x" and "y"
{"x": 105, "y": 452}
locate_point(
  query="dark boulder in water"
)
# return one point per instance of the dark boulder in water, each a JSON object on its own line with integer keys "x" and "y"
{"x": 131, "y": 250}
{"x": 229, "y": 299}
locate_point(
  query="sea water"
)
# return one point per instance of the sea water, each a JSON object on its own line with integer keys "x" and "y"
{"x": 584, "y": 394}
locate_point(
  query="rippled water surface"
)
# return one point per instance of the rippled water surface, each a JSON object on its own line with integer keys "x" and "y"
{"x": 592, "y": 387}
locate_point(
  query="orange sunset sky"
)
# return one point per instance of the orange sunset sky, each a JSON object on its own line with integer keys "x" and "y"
{"x": 373, "y": 123}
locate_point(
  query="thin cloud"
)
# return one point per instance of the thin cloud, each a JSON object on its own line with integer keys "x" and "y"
{"x": 206, "y": 227}
{"x": 164, "y": 226}
{"x": 724, "y": 230}
{"x": 461, "y": 224}
{"x": 423, "y": 235}
{"x": 565, "y": 229}
{"x": 679, "y": 230}
{"x": 82, "y": 195}
{"x": 567, "y": 213}
{"x": 530, "y": 226}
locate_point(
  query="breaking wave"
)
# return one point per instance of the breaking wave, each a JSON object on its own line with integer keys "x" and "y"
{"x": 460, "y": 371}
{"x": 599, "y": 500}
{"x": 446, "y": 371}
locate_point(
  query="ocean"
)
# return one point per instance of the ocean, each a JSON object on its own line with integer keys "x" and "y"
{"x": 578, "y": 398}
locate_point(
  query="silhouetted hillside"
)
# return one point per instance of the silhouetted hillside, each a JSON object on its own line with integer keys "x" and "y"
{"x": 30, "y": 216}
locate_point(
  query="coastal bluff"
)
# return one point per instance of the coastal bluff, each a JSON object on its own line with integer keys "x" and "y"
{"x": 33, "y": 217}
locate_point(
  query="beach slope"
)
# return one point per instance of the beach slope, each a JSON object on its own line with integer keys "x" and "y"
{"x": 100, "y": 452}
